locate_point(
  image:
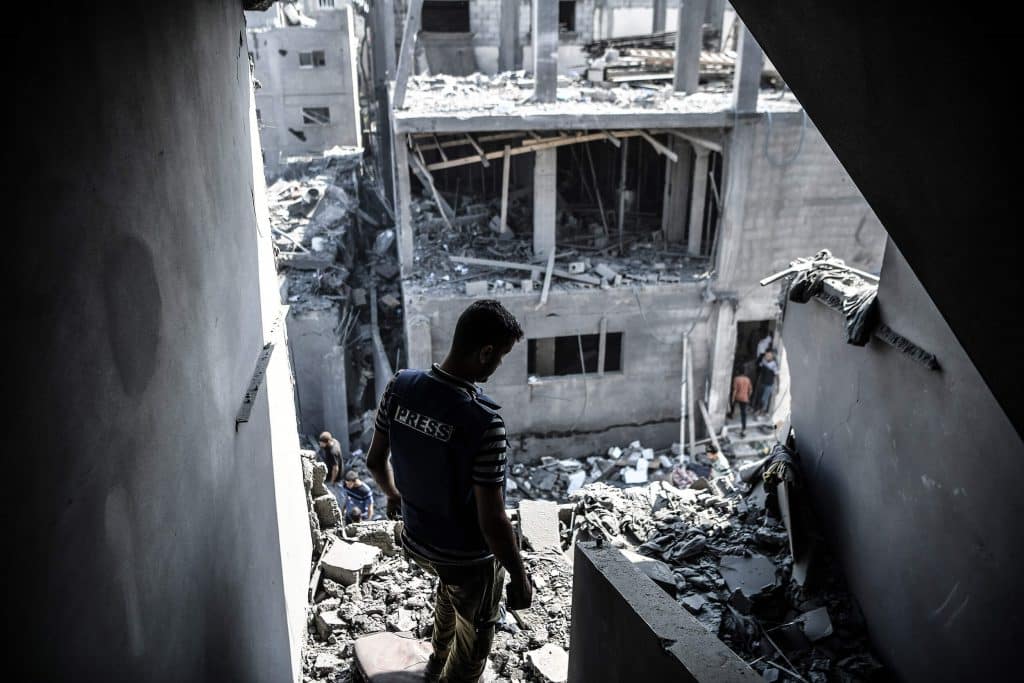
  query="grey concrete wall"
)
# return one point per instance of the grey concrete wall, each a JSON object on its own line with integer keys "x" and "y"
{"x": 917, "y": 476}
{"x": 627, "y": 628}
{"x": 646, "y": 392}
{"x": 311, "y": 336}
{"x": 155, "y": 541}
{"x": 286, "y": 88}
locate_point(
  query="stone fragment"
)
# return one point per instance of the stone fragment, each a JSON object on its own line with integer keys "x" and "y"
{"x": 658, "y": 571}
{"x": 319, "y": 475}
{"x": 539, "y": 523}
{"x": 345, "y": 562}
{"x": 550, "y": 662}
{"x": 694, "y": 603}
{"x": 328, "y": 622}
{"x": 327, "y": 510}
{"x": 326, "y": 663}
{"x": 750, "y": 575}
{"x": 816, "y": 624}
{"x": 477, "y": 288}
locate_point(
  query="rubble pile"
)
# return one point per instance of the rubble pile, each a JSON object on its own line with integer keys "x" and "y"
{"x": 367, "y": 586}
{"x": 719, "y": 549}
{"x": 586, "y": 253}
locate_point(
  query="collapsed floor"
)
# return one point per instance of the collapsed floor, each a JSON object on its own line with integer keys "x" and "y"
{"x": 714, "y": 537}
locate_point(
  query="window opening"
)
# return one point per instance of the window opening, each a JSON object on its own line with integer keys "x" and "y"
{"x": 559, "y": 356}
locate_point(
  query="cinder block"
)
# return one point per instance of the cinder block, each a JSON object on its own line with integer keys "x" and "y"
{"x": 345, "y": 562}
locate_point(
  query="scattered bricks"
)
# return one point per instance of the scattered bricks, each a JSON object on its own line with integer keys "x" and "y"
{"x": 345, "y": 562}
{"x": 577, "y": 267}
{"x": 477, "y": 288}
{"x": 319, "y": 475}
{"x": 390, "y": 301}
{"x": 327, "y": 510}
{"x": 550, "y": 662}
{"x": 327, "y": 622}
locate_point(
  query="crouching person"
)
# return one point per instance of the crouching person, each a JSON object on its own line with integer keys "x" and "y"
{"x": 358, "y": 499}
{"x": 446, "y": 475}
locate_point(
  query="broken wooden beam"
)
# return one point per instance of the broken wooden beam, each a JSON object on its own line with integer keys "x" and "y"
{"x": 510, "y": 265}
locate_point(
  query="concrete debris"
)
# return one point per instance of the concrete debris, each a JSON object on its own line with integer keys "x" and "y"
{"x": 346, "y": 562}
{"x": 539, "y": 524}
{"x": 327, "y": 510}
{"x": 816, "y": 624}
{"x": 752, "y": 576}
{"x": 551, "y": 663}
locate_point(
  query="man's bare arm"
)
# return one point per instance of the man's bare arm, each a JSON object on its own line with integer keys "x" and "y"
{"x": 380, "y": 466}
{"x": 501, "y": 539}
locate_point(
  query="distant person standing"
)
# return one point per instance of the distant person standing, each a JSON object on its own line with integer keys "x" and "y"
{"x": 330, "y": 455}
{"x": 767, "y": 370}
{"x": 358, "y": 499}
{"x": 764, "y": 345}
{"x": 741, "y": 390}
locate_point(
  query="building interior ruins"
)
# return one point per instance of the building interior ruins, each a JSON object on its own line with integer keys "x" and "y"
{"x": 257, "y": 211}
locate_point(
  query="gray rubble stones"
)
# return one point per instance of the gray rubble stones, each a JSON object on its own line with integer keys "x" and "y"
{"x": 401, "y": 620}
{"x": 550, "y": 662}
{"x": 345, "y": 562}
{"x": 327, "y": 510}
{"x": 328, "y": 622}
{"x": 378, "y": 533}
{"x": 694, "y": 603}
{"x": 319, "y": 475}
{"x": 816, "y": 624}
{"x": 658, "y": 571}
{"x": 326, "y": 663}
{"x": 750, "y": 575}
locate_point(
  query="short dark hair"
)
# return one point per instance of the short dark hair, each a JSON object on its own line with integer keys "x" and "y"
{"x": 325, "y": 437}
{"x": 484, "y": 322}
{"x": 351, "y": 475}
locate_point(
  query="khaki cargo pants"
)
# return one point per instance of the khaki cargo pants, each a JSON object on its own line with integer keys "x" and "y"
{"x": 466, "y": 608}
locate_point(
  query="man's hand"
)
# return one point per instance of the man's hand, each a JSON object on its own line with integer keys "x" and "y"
{"x": 519, "y": 594}
{"x": 394, "y": 509}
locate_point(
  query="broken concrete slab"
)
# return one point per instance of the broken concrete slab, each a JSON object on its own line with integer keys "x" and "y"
{"x": 346, "y": 562}
{"x": 326, "y": 663}
{"x": 319, "y": 476}
{"x": 327, "y": 622}
{"x": 694, "y": 603}
{"x": 538, "y": 520}
{"x": 816, "y": 624}
{"x": 383, "y": 534}
{"x": 750, "y": 575}
{"x": 658, "y": 571}
{"x": 402, "y": 621}
{"x": 550, "y": 662}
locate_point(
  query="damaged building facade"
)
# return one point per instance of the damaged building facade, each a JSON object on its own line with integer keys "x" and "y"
{"x": 304, "y": 59}
{"x": 662, "y": 203}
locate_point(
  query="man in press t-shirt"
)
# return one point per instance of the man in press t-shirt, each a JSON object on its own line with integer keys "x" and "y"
{"x": 446, "y": 474}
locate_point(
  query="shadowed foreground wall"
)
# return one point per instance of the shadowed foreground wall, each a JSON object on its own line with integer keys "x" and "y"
{"x": 154, "y": 541}
{"x": 917, "y": 475}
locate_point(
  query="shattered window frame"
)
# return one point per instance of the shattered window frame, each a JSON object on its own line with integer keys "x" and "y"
{"x": 316, "y": 116}
{"x": 566, "y": 355}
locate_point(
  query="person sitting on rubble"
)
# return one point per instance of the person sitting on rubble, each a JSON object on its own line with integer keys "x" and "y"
{"x": 446, "y": 475}
{"x": 358, "y": 498}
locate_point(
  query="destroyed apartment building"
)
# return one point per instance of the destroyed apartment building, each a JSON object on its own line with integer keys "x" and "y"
{"x": 614, "y": 219}
{"x": 257, "y": 211}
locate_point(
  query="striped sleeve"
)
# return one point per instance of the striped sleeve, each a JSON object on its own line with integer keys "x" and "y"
{"x": 381, "y": 421}
{"x": 489, "y": 465}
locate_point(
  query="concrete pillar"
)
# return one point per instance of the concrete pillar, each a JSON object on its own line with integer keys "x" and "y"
{"x": 746, "y": 83}
{"x": 403, "y": 199}
{"x": 335, "y": 397}
{"x": 738, "y": 156}
{"x": 689, "y": 30}
{"x": 545, "y": 165}
{"x": 660, "y": 10}
{"x": 544, "y": 25}
{"x": 714, "y": 20}
{"x": 723, "y": 352}
{"x": 419, "y": 348}
{"x": 351, "y": 118}
{"x": 698, "y": 195}
{"x": 508, "y": 35}
{"x": 675, "y": 205}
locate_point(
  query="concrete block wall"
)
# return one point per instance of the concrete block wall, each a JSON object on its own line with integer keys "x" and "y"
{"x": 158, "y": 541}
{"x": 646, "y": 391}
{"x": 799, "y": 199}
